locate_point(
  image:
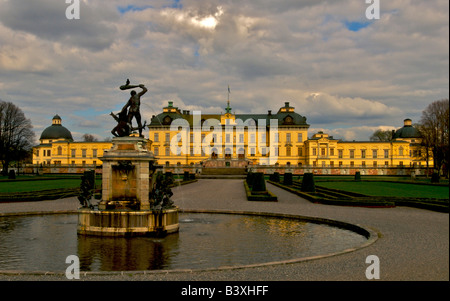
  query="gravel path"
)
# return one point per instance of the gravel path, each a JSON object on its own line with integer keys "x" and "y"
{"x": 413, "y": 243}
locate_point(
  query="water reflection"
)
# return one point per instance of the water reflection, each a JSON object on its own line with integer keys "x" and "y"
{"x": 122, "y": 254}
{"x": 205, "y": 241}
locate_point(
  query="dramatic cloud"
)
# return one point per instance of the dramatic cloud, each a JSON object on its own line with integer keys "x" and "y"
{"x": 348, "y": 75}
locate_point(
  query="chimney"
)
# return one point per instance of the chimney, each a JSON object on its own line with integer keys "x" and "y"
{"x": 407, "y": 122}
{"x": 286, "y": 104}
{"x": 269, "y": 112}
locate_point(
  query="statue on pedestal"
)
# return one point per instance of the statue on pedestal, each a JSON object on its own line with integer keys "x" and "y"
{"x": 124, "y": 118}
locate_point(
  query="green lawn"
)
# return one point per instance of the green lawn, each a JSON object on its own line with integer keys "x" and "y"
{"x": 390, "y": 189}
{"x": 25, "y": 186}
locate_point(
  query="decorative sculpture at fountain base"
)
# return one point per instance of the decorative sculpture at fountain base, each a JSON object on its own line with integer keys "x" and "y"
{"x": 135, "y": 200}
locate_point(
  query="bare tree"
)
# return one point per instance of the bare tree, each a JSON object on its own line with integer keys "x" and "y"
{"x": 89, "y": 138}
{"x": 435, "y": 128}
{"x": 380, "y": 135}
{"x": 16, "y": 135}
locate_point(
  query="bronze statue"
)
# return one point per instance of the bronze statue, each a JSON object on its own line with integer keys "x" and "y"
{"x": 124, "y": 118}
{"x": 123, "y": 128}
{"x": 134, "y": 104}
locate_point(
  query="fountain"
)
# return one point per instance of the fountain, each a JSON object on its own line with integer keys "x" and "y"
{"x": 135, "y": 199}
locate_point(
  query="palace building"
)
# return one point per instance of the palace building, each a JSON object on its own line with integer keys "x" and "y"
{"x": 251, "y": 141}
{"x": 57, "y": 149}
{"x": 181, "y": 138}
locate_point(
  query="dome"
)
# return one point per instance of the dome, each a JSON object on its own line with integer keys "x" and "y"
{"x": 407, "y": 131}
{"x": 56, "y": 131}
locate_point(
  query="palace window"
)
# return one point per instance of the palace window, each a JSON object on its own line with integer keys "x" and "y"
{"x": 288, "y": 151}
{"x": 167, "y": 137}
{"x": 340, "y": 153}
{"x": 167, "y": 151}
{"x": 241, "y": 138}
{"x": 314, "y": 152}
{"x": 374, "y": 153}
{"x": 386, "y": 153}
{"x": 323, "y": 151}
{"x": 156, "y": 137}
{"x": 59, "y": 150}
{"x": 73, "y": 152}
{"x": 331, "y": 151}
{"x": 288, "y": 137}
{"x": 299, "y": 137}
{"x": 94, "y": 153}
{"x": 300, "y": 151}
{"x": 83, "y": 153}
{"x": 363, "y": 153}
{"x": 156, "y": 151}
{"x": 352, "y": 153}
{"x": 252, "y": 138}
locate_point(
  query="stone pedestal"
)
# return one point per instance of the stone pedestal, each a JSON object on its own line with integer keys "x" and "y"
{"x": 125, "y": 178}
{"x": 125, "y": 208}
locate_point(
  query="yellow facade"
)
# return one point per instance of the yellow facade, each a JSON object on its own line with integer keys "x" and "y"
{"x": 289, "y": 144}
{"x": 70, "y": 153}
{"x": 182, "y": 138}
{"x": 57, "y": 148}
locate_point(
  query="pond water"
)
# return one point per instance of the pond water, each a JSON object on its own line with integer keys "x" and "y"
{"x": 42, "y": 243}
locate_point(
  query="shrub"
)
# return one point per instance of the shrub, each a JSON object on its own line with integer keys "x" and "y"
{"x": 12, "y": 174}
{"x": 186, "y": 176}
{"x": 435, "y": 177}
{"x": 308, "y": 184}
{"x": 287, "y": 179}
{"x": 249, "y": 179}
{"x": 357, "y": 176}
{"x": 275, "y": 177}
{"x": 258, "y": 184}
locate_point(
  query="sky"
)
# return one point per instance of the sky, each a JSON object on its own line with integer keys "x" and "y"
{"x": 347, "y": 74}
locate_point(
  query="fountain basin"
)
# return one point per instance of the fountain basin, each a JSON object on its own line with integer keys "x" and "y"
{"x": 127, "y": 222}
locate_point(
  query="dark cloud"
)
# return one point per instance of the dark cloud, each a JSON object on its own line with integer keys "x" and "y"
{"x": 47, "y": 19}
{"x": 189, "y": 51}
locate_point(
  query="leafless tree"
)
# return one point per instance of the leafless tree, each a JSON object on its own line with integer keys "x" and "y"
{"x": 89, "y": 138}
{"x": 16, "y": 135}
{"x": 435, "y": 128}
{"x": 380, "y": 135}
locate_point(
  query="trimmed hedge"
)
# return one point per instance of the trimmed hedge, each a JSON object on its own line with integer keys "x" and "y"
{"x": 265, "y": 196}
{"x": 287, "y": 179}
{"x": 330, "y": 196}
{"x": 308, "y": 183}
{"x": 42, "y": 195}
